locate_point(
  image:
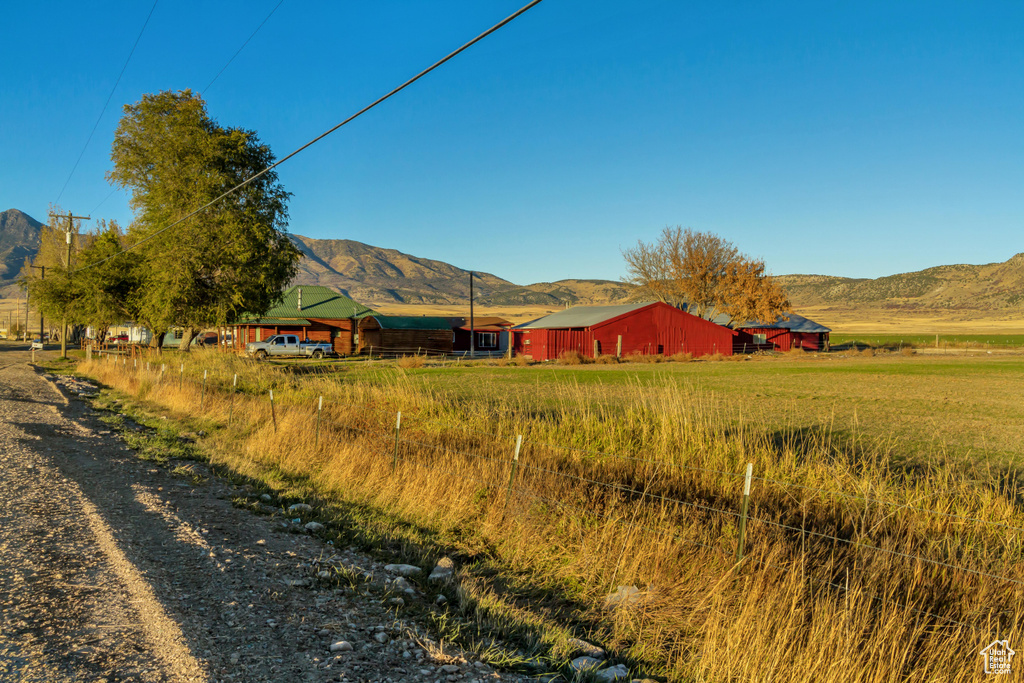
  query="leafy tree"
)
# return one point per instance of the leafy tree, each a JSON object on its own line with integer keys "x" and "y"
{"x": 53, "y": 295}
{"x": 95, "y": 292}
{"x": 234, "y": 257}
{"x": 704, "y": 274}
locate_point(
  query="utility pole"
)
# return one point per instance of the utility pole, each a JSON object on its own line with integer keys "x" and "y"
{"x": 472, "y": 330}
{"x": 64, "y": 321}
{"x": 42, "y": 276}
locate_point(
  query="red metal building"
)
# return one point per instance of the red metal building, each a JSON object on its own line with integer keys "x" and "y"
{"x": 647, "y": 328}
{"x": 797, "y": 332}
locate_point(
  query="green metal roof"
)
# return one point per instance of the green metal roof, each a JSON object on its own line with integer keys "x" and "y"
{"x": 277, "y": 321}
{"x": 409, "y": 322}
{"x": 317, "y": 302}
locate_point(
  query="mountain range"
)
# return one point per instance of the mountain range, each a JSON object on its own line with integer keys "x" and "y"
{"x": 375, "y": 276}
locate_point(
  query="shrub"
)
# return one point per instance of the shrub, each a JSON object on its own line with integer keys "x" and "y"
{"x": 606, "y": 359}
{"x": 409, "y": 362}
{"x": 713, "y": 357}
{"x": 908, "y": 351}
{"x": 681, "y": 357}
{"x": 644, "y": 358}
{"x": 572, "y": 357}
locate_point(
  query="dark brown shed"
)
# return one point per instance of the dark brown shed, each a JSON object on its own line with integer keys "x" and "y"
{"x": 400, "y": 335}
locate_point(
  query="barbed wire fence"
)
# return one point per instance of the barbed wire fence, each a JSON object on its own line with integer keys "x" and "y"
{"x": 520, "y": 480}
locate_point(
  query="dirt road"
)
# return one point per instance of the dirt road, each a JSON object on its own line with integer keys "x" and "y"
{"x": 112, "y": 569}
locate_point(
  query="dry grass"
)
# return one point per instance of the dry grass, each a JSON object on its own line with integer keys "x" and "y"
{"x": 643, "y": 358}
{"x": 579, "y": 521}
{"x": 410, "y": 362}
{"x": 573, "y": 357}
{"x": 606, "y": 359}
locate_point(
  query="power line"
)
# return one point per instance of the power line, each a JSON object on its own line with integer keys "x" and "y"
{"x": 107, "y": 103}
{"x": 320, "y": 137}
{"x": 239, "y": 51}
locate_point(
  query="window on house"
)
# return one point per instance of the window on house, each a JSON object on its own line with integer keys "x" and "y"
{"x": 487, "y": 340}
{"x": 760, "y": 338}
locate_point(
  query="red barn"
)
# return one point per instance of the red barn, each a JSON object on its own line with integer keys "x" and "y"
{"x": 648, "y": 328}
{"x": 797, "y": 332}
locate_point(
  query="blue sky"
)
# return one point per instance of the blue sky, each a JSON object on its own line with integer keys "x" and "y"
{"x": 857, "y": 139}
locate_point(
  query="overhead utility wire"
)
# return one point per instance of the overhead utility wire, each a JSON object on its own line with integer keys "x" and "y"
{"x": 320, "y": 137}
{"x": 107, "y": 103}
{"x": 239, "y": 51}
{"x": 223, "y": 68}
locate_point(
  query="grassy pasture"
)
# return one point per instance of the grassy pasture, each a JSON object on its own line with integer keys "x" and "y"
{"x": 927, "y": 341}
{"x": 628, "y": 477}
{"x": 922, "y": 408}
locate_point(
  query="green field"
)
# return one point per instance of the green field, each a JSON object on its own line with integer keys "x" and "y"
{"x": 945, "y": 341}
{"x": 916, "y": 407}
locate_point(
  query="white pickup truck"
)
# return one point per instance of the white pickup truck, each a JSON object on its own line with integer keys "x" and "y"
{"x": 288, "y": 345}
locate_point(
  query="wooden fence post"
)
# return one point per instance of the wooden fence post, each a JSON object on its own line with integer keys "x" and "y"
{"x": 231, "y": 405}
{"x": 398, "y": 427}
{"x": 202, "y": 394}
{"x": 515, "y": 466}
{"x": 319, "y": 409}
{"x": 618, "y": 347}
{"x": 597, "y": 348}
{"x": 743, "y": 514}
{"x": 273, "y": 415}
{"x": 181, "y": 376}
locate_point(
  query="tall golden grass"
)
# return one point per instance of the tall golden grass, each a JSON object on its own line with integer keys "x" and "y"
{"x": 855, "y": 569}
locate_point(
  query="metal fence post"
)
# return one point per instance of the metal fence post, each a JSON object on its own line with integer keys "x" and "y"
{"x": 319, "y": 409}
{"x": 743, "y": 514}
{"x": 273, "y": 415}
{"x": 398, "y": 428}
{"x": 515, "y": 466}
{"x": 231, "y": 405}
{"x": 202, "y": 394}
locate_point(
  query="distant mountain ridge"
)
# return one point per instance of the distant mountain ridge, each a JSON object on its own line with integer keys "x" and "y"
{"x": 19, "y": 239}
{"x": 374, "y": 276}
{"x": 988, "y": 287}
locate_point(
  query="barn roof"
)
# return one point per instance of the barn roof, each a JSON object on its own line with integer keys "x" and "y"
{"x": 796, "y": 323}
{"x": 581, "y": 316}
{"x": 317, "y": 302}
{"x": 410, "y": 322}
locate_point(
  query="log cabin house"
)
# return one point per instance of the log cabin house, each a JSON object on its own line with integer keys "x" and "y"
{"x": 316, "y": 313}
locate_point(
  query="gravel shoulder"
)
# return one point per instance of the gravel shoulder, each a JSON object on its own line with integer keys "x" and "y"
{"x": 118, "y": 570}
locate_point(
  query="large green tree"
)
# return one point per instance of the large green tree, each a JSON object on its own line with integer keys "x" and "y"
{"x": 234, "y": 256}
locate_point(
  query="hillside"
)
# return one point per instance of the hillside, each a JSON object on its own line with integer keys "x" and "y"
{"x": 988, "y": 287}
{"x": 374, "y": 275}
{"x": 19, "y": 239}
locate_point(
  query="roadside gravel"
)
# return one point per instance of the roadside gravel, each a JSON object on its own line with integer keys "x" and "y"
{"x": 117, "y": 570}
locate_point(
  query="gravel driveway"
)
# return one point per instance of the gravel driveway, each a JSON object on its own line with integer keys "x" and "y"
{"x": 116, "y": 570}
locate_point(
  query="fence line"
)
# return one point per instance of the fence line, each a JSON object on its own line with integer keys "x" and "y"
{"x": 645, "y": 494}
